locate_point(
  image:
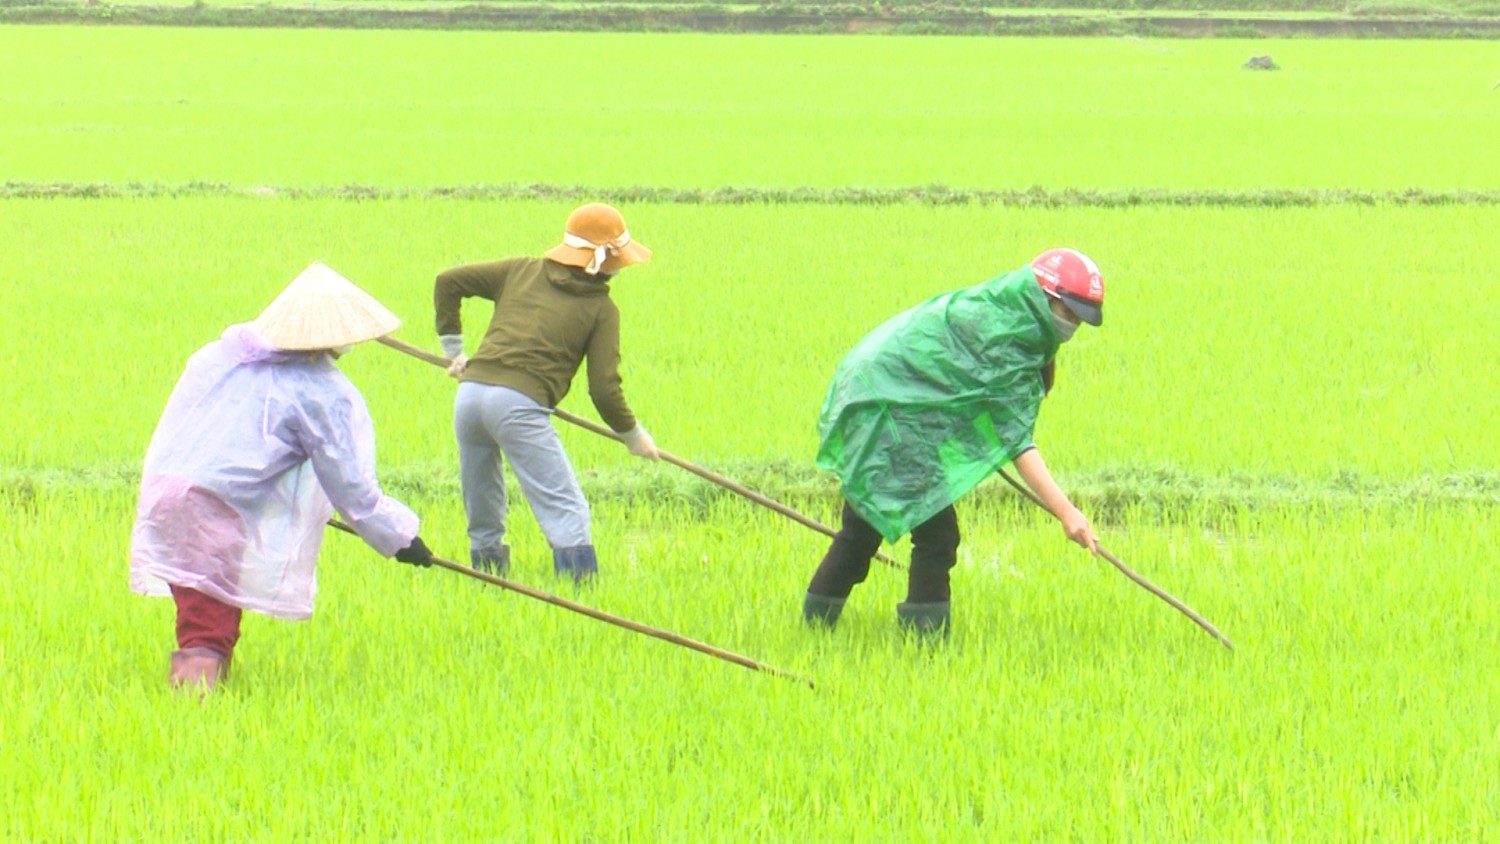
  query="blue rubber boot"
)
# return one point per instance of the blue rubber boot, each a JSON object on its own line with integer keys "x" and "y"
{"x": 494, "y": 560}
{"x": 926, "y": 620}
{"x": 822, "y": 609}
{"x": 580, "y": 562}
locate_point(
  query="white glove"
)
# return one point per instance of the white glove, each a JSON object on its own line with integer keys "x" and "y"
{"x": 456, "y": 367}
{"x": 639, "y": 441}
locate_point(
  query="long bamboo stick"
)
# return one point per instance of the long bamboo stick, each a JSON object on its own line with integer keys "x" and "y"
{"x": 608, "y": 618}
{"x": 712, "y": 477}
{"x": 1141, "y": 581}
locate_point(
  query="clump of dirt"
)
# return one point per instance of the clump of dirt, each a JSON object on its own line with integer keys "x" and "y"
{"x": 1261, "y": 63}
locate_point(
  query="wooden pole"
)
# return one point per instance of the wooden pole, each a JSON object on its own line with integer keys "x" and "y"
{"x": 712, "y": 477}
{"x": 1141, "y": 581}
{"x": 692, "y": 644}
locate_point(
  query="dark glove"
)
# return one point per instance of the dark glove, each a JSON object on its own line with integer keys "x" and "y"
{"x": 417, "y": 553}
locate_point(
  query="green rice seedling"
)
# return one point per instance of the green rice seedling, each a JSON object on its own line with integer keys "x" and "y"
{"x": 1239, "y": 341}
{"x": 1066, "y": 703}
{"x": 288, "y": 109}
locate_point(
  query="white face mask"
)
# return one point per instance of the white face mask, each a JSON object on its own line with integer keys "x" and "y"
{"x": 1065, "y": 327}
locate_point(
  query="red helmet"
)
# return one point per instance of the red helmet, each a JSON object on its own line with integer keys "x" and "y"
{"x": 1069, "y": 275}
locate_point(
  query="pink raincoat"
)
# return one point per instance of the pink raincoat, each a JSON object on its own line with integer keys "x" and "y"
{"x": 254, "y": 451}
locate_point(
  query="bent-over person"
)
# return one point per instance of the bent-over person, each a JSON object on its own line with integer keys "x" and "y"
{"x": 261, "y": 441}
{"x": 551, "y": 314}
{"x": 932, "y": 402}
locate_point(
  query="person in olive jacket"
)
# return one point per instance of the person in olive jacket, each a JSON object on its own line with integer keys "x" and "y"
{"x": 550, "y": 315}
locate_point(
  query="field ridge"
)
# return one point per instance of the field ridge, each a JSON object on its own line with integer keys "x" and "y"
{"x": 933, "y": 194}
{"x": 1111, "y": 495}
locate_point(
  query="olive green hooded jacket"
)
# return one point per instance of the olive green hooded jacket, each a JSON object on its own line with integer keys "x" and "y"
{"x": 549, "y": 318}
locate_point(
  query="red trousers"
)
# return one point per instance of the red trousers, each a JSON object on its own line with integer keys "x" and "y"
{"x": 204, "y": 622}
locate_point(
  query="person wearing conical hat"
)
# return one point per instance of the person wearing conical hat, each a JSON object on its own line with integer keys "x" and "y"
{"x": 550, "y": 315}
{"x": 261, "y": 441}
{"x": 932, "y": 402}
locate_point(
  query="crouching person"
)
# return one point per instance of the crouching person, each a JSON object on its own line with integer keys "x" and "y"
{"x": 261, "y": 440}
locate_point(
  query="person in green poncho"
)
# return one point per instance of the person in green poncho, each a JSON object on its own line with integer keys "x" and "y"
{"x": 931, "y": 403}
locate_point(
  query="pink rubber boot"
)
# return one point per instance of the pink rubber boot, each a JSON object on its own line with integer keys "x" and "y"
{"x": 200, "y": 667}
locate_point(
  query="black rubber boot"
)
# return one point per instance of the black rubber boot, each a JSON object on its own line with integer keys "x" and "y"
{"x": 821, "y": 609}
{"x": 580, "y": 562}
{"x": 926, "y": 620}
{"x": 495, "y": 560}
{"x": 934, "y": 551}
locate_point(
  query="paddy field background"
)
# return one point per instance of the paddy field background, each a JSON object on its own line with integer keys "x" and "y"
{"x": 1287, "y": 421}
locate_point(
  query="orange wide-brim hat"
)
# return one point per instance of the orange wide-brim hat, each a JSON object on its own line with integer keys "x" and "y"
{"x": 596, "y": 240}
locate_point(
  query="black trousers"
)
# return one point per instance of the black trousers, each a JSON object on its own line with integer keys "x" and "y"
{"x": 934, "y": 550}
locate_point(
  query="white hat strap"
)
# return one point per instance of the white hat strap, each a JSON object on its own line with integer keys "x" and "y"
{"x": 602, "y": 251}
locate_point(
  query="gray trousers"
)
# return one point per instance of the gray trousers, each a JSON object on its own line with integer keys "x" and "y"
{"x": 494, "y": 424}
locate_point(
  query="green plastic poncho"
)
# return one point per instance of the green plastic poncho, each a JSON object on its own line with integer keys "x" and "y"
{"x": 937, "y": 399}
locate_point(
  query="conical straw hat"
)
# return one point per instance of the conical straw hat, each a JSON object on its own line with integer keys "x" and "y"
{"x": 321, "y": 309}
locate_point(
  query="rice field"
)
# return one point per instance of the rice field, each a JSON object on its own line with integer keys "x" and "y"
{"x": 1284, "y": 422}
{"x": 120, "y": 104}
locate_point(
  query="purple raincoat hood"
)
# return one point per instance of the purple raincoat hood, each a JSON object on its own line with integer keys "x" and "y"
{"x": 242, "y": 345}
